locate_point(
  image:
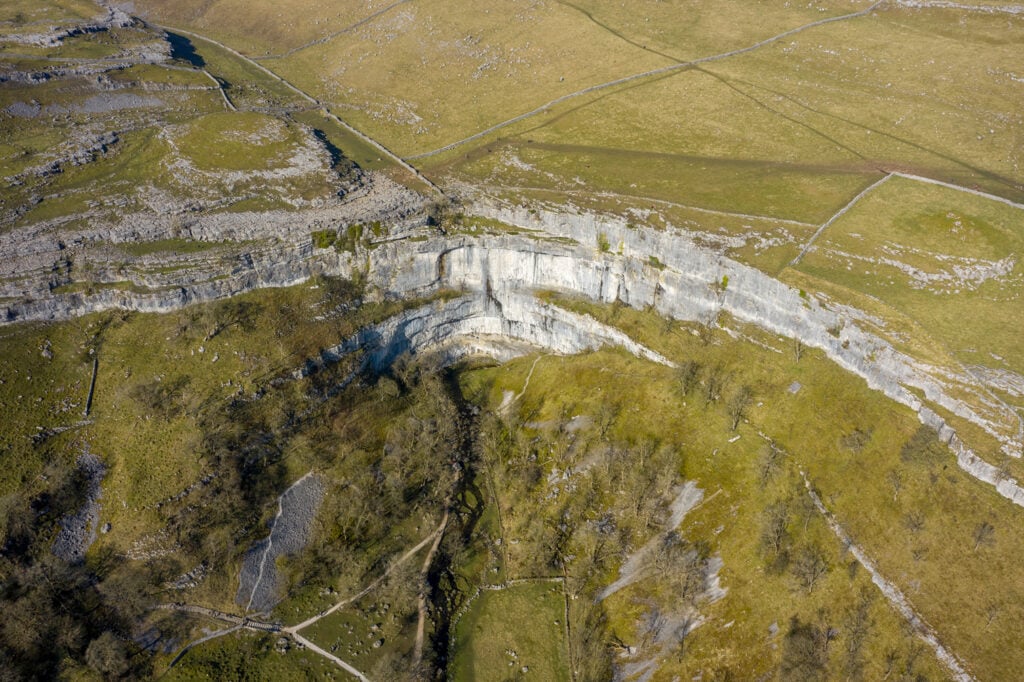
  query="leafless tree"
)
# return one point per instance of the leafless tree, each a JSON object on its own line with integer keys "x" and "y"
{"x": 984, "y": 534}
{"x": 895, "y": 479}
{"x": 738, "y": 404}
{"x": 914, "y": 521}
{"x": 810, "y": 566}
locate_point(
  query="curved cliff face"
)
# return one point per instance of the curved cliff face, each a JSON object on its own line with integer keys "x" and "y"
{"x": 560, "y": 251}
{"x": 503, "y": 328}
{"x": 693, "y": 284}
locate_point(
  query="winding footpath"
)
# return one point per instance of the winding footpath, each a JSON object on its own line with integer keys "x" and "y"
{"x": 239, "y": 623}
{"x": 422, "y": 597}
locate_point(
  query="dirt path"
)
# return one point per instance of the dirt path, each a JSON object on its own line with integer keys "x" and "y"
{"x": 313, "y": 647}
{"x": 344, "y": 602}
{"x": 646, "y": 74}
{"x": 892, "y": 593}
{"x": 507, "y": 404}
{"x": 422, "y": 600}
{"x": 201, "y": 640}
{"x": 239, "y": 623}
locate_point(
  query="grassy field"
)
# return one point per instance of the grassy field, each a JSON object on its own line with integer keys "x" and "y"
{"x": 512, "y": 633}
{"x": 245, "y": 656}
{"x": 940, "y": 257}
{"x": 770, "y": 132}
{"x": 555, "y": 470}
{"x": 874, "y": 86}
{"x": 766, "y": 132}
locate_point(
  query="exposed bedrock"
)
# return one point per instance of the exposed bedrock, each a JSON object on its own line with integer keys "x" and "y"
{"x": 596, "y": 257}
{"x": 502, "y": 327}
{"x": 260, "y": 584}
{"x": 691, "y": 283}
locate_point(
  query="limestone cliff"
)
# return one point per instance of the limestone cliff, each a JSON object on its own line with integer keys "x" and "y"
{"x": 597, "y": 257}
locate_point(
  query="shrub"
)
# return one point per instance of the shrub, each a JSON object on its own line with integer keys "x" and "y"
{"x": 924, "y": 447}
{"x": 324, "y": 239}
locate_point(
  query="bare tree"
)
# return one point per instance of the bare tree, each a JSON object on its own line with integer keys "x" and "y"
{"x": 714, "y": 384}
{"x": 688, "y": 376}
{"x": 770, "y": 463}
{"x": 914, "y": 521}
{"x": 774, "y": 534}
{"x": 810, "y": 566}
{"x": 737, "y": 408}
{"x": 992, "y": 611}
{"x": 984, "y": 534}
{"x": 895, "y": 479}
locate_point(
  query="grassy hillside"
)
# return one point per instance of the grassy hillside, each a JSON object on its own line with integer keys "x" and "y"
{"x": 730, "y": 515}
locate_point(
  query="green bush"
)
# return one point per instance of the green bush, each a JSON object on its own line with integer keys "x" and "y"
{"x": 350, "y": 238}
{"x": 324, "y": 239}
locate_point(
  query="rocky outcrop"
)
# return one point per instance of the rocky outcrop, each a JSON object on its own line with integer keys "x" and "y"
{"x": 55, "y": 35}
{"x": 260, "y": 584}
{"x": 598, "y": 257}
{"x": 78, "y": 530}
{"x": 502, "y": 326}
{"x": 227, "y": 254}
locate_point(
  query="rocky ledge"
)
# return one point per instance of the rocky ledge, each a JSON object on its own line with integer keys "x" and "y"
{"x": 600, "y": 258}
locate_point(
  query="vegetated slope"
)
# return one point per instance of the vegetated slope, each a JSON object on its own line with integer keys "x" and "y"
{"x": 686, "y": 487}
{"x": 200, "y": 436}
{"x": 197, "y": 446}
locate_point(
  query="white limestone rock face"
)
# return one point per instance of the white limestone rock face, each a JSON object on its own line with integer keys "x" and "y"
{"x": 560, "y": 251}
{"x": 504, "y": 328}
